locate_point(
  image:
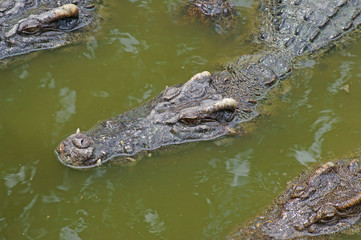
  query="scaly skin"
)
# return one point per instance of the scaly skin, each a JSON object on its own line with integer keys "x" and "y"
{"x": 209, "y": 106}
{"x": 221, "y": 13}
{"x": 313, "y": 206}
{"x": 29, "y": 25}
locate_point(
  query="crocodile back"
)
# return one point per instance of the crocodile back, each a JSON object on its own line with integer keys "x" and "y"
{"x": 297, "y": 27}
{"x": 289, "y": 29}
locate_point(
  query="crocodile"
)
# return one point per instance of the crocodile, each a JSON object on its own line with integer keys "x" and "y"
{"x": 210, "y": 106}
{"x": 314, "y": 205}
{"x": 220, "y": 13}
{"x": 28, "y": 25}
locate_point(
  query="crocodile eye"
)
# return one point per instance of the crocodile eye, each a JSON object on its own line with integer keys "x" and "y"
{"x": 29, "y": 26}
{"x": 190, "y": 121}
{"x": 30, "y": 30}
{"x": 327, "y": 217}
{"x": 326, "y": 214}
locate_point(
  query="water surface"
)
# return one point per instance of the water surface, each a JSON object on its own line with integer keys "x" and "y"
{"x": 201, "y": 191}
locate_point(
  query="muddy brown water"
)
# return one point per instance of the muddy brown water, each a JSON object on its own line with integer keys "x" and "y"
{"x": 201, "y": 191}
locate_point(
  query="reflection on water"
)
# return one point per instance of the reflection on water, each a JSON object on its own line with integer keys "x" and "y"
{"x": 145, "y": 93}
{"x": 240, "y": 167}
{"x": 155, "y": 224}
{"x": 19, "y": 184}
{"x": 99, "y": 93}
{"x": 67, "y": 100}
{"x": 200, "y": 192}
{"x": 20, "y": 180}
{"x": 320, "y": 127}
{"x": 75, "y": 227}
{"x": 127, "y": 43}
{"x": 48, "y": 81}
{"x": 91, "y": 45}
{"x": 24, "y": 71}
{"x": 346, "y": 74}
{"x": 218, "y": 185}
{"x": 303, "y": 102}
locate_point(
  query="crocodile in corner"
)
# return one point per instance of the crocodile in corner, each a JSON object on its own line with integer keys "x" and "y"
{"x": 315, "y": 205}
{"x": 28, "y": 25}
{"x": 209, "y": 106}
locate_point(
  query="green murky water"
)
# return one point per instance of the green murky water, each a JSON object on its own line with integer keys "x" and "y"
{"x": 200, "y": 192}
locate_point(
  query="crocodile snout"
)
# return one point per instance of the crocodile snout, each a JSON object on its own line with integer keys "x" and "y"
{"x": 76, "y": 150}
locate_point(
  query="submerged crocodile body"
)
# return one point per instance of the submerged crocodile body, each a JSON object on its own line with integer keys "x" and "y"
{"x": 221, "y": 13}
{"x": 321, "y": 203}
{"x": 29, "y": 25}
{"x": 209, "y": 106}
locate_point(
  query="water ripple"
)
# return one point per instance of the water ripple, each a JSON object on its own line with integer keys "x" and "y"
{"x": 76, "y": 226}
{"x": 320, "y": 127}
{"x": 155, "y": 224}
{"x": 239, "y": 166}
{"x": 346, "y": 73}
{"x": 127, "y": 42}
{"x": 20, "y": 178}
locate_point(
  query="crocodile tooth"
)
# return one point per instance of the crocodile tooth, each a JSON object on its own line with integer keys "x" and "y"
{"x": 99, "y": 162}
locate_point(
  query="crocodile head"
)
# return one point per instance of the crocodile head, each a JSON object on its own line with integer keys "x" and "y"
{"x": 190, "y": 112}
{"x": 49, "y": 25}
{"x": 213, "y": 8}
{"x": 326, "y": 202}
{"x": 221, "y": 12}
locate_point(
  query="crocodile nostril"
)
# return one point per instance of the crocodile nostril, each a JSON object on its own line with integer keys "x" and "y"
{"x": 81, "y": 141}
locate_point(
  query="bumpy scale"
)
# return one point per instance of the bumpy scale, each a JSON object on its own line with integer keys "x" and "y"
{"x": 27, "y": 25}
{"x": 320, "y": 203}
{"x": 209, "y": 106}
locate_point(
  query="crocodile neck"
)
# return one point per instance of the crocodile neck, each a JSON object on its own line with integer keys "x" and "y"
{"x": 209, "y": 106}
{"x": 292, "y": 30}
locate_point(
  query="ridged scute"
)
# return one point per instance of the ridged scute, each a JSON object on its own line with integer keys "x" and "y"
{"x": 28, "y": 25}
{"x": 209, "y": 106}
{"x": 304, "y": 26}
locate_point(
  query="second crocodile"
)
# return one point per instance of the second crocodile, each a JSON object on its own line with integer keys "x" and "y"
{"x": 316, "y": 204}
{"x": 221, "y": 13}
{"x": 29, "y": 26}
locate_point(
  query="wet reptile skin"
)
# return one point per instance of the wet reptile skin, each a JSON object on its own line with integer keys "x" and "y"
{"x": 28, "y": 25}
{"x": 220, "y": 13}
{"x": 289, "y": 29}
{"x": 314, "y": 205}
